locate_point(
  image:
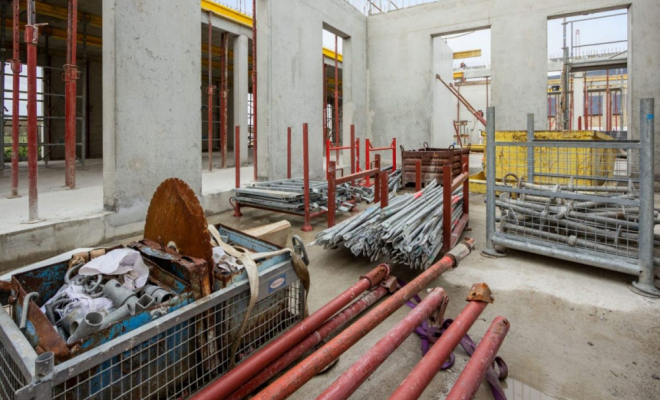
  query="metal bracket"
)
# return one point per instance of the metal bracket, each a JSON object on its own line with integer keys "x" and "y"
{"x": 481, "y": 292}
{"x": 299, "y": 248}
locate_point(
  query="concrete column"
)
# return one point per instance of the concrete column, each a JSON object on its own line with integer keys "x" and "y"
{"x": 151, "y": 122}
{"x": 241, "y": 77}
{"x": 578, "y": 100}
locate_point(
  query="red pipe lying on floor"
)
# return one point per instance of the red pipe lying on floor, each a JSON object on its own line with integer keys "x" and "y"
{"x": 420, "y": 377}
{"x": 473, "y": 375}
{"x": 334, "y": 323}
{"x": 244, "y": 371}
{"x": 312, "y": 365}
{"x": 355, "y": 376}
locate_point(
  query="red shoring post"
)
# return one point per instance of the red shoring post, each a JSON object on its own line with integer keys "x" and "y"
{"x": 367, "y": 159}
{"x": 307, "y": 227}
{"x": 288, "y": 153}
{"x": 328, "y": 146}
{"x": 357, "y": 155}
{"x": 334, "y": 323}
{"x": 210, "y": 89}
{"x": 384, "y": 189}
{"x": 332, "y": 176}
{"x": 418, "y": 175}
{"x": 420, "y": 377}
{"x": 394, "y": 154}
{"x": 579, "y": 123}
{"x": 243, "y": 372}
{"x": 446, "y": 207}
{"x": 325, "y": 103}
{"x": 225, "y": 93}
{"x": 16, "y": 69}
{"x": 31, "y": 39}
{"x": 353, "y": 170}
{"x": 466, "y": 185}
{"x": 358, "y": 373}
{"x": 473, "y": 375}
{"x": 254, "y": 88}
{"x": 376, "y": 179}
{"x": 308, "y": 368}
{"x": 70, "y": 78}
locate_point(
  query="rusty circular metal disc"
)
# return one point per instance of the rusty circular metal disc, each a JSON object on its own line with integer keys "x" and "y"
{"x": 175, "y": 215}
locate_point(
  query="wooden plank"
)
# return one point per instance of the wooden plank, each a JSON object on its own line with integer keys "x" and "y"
{"x": 276, "y": 233}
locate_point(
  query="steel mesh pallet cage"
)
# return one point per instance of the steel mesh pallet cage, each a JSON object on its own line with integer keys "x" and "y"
{"x": 586, "y": 201}
{"x": 169, "y": 358}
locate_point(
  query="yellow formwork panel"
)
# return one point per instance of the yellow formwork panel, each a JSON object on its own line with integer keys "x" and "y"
{"x": 554, "y": 160}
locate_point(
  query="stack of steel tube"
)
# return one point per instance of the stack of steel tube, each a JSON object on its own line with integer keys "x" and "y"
{"x": 367, "y": 193}
{"x": 408, "y": 230}
{"x": 289, "y": 195}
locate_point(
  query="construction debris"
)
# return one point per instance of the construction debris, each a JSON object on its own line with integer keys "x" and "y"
{"x": 408, "y": 231}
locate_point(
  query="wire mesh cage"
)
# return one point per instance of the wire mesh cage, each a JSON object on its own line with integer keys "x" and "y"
{"x": 170, "y": 358}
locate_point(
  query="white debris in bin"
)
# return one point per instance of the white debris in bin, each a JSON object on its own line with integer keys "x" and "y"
{"x": 125, "y": 262}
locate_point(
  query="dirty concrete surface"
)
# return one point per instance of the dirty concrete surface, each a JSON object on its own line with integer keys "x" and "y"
{"x": 577, "y": 332}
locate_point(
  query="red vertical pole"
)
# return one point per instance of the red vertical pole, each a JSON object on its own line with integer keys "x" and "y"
{"x": 225, "y": 93}
{"x": 337, "y": 97}
{"x": 353, "y": 170}
{"x": 288, "y": 153}
{"x": 377, "y": 179}
{"x": 31, "y": 38}
{"x": 70, "y": 77}
{"x": 306, "y": 227}
{"x": 328, "y": 146}
{"x": 237, "y": 155}
{"x": 16, "y": 69}
{"x": 325, "y": 103}
{"x": 394, "y": 154}
{"x": 446, "y": 207}
{"x": 473, "y": 375}
{"x": 418, "y": 175}
{"x": 357, "y": 154}
{"x": 384, "y": 189}
{"x": 608, "y": 104}
{"x": 254, "y": 87}
{"x": 466, "y": 186}
{"x": 367, "y": 158}
{"x": 209, "y": 95}
{"x": 579, "y": 123}
{"x": 332, "y": 173}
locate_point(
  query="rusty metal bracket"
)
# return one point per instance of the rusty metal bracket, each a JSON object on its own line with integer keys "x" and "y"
{"x": 71, "y": 73}
{"x": 481, "y": 292}
{"x": 437, "y": 317}
{"x": 391, "y": 284}
{"x": 16, "y": 65}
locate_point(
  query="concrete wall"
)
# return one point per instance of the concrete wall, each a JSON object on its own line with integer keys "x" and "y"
{"x": 290, "y": 90}
{"x": 443, "y": 128}
{"x": 151, "y": 117}
{"x": 400, "y": 76}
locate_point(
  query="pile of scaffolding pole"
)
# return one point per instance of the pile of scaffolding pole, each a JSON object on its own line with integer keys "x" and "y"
{"x": 408, "y": 230}
{"x": 367, "y": 194}
{"x": 289, "y": 195}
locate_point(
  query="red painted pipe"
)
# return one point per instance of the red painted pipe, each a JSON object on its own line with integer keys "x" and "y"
{"x": 420, "y": 377}
{"x": 334, "y": 323}
{"x": 224, "y": 102}
{"x": 332, "y": 187}
{"x": 312, "y": 365}
{"x": 351, "y": 380}
{"x": 307, "y": 227}
{"x": 16, "y": 69}
{"x": 376, "y": 179}
{"x": 237, "y": 155}
{"x": 353, "y": 170}
{"x": 466, "y": 185}
{"x": 70, "y": 78}
{"x": 418, "y": 175}
{"x": 288, "y": 153}
{"x": 384, "y": 189}
{"x": 254, "y": 88}
{"x": 31, "y": 44}
{"x": 244, "y": 371}
{"x": 475, "y": 371}
{"x": 394, "y": 154}
{"x": 210, "y": 89}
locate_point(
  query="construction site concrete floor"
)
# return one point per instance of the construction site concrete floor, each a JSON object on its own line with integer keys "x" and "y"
{"x": 577, "y": 332}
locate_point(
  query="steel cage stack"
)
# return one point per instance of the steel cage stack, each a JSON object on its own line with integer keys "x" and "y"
{"x": 586, "y": 201}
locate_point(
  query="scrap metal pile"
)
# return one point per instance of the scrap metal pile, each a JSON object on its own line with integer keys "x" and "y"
{"x": 408, "y": 231}
{"x": 289, "y": 195}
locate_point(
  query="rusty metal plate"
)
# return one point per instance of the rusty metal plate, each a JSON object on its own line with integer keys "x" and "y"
{"x": 176, "y": 217}
{"x": 481, "y": 292}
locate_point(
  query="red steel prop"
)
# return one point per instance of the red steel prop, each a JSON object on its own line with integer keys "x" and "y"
{"x": 347, "y": 384}
{"x": 224, "y": 103}
{"x": 307, "y": 227}
{"x": 288, "y": 153}
{"x": 312, "y": 365}
{"x": 336, "y": 94}
{"x": 31, "y": 39}
{"x": 16, "y": 69}
{"x": 71, "y": 76}
{"x": 420, "y": 377}
{"x": 244, "y": 371}
{"x": 384, "y": 189}
{"x": 339, "y": 320}
{"x": 254, "y": 87}
{"x": 368, "y": 149}
{"x": 473, "y": 375}
{"x": 210, "y": 90}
